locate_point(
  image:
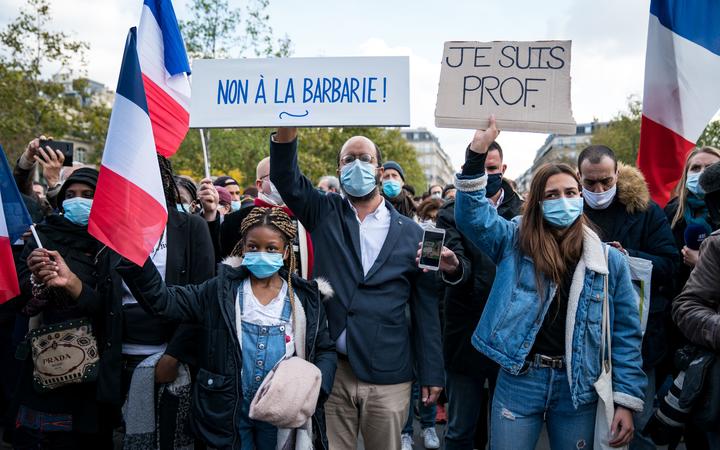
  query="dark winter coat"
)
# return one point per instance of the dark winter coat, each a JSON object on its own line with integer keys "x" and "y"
{"x": 217, "y": 393}
{"x": 80, "y": 252}
{"x": 697, "y": 309}
{"x": 190, "y": 260}
{"x": 640, "y": 226}
{"x": 465, "y": 301}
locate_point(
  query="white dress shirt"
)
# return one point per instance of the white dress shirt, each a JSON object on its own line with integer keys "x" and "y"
{"x": 373, "y": 232}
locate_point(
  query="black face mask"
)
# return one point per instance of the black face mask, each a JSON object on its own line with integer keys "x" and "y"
{"x": 494, "y": 183}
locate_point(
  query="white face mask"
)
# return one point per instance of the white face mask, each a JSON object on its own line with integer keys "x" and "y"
{"x": 273, "y": 197}
{"x": 599, "y": 200}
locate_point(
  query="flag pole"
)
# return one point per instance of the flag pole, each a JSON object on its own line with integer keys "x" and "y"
{"x": 205, "y": 153}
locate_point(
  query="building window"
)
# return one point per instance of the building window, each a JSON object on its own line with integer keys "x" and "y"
{"x": 80, "y": 154}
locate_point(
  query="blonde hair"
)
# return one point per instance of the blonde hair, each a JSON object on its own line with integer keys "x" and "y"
{"x": 681, "y": 191}
{"x": 278, "y": 219}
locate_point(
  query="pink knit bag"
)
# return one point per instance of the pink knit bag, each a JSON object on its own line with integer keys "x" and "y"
{"x": 288, "y": 396}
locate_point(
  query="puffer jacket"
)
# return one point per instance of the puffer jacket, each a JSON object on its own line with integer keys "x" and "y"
{"x": 217, "y": 392}
{"x": 515, "y": 309}
{"x": 696, "y": 310}
{"x": 641, "y": 227}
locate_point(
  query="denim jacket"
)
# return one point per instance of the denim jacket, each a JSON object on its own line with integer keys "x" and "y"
{"x": 515, "y": 309}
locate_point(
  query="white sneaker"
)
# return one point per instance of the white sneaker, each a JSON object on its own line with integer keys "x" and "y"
{"x": 406, "y": 442}
{"x": 430, "y": 438}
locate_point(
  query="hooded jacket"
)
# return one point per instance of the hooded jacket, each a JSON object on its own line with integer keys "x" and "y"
{"x": 640, "y": 226}
{"x": 217, "y": 392}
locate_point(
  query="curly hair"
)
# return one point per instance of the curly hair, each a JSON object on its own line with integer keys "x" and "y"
{"x": 278, "y": 219}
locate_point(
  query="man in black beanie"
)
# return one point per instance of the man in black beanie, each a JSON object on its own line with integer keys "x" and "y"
{"x": 393, "y": 181}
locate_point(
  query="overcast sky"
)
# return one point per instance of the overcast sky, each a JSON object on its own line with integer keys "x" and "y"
{"x": 608, "y": 48}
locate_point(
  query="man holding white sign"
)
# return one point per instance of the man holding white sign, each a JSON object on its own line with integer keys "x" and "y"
{"x": 367, "y": 250}
{"x": 526, "y": 85}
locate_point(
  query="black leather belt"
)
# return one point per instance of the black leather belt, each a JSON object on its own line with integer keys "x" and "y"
{"x": 542, "y": 361}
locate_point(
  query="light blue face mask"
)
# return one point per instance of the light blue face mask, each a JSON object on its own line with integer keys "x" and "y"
{"x": 183, "y": 207}
{"x": 77, "y": 210}
{"x": 235, "y": 205}
{"x": 693, "y": 183}
{"x": 562, "y": 212}
{"x": 392, "y": 188}
{"x": 358, "y": 178}
{"x": 263, "y": 264}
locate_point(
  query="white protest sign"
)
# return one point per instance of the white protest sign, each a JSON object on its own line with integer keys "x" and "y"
{"x": 525, "y": 84}
{"x": 300, "y": 92}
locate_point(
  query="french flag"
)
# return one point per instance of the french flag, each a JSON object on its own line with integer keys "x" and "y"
{"x": 165, "y": 69}
{"x": 681, "y": 87}
{"x": 129, "y": 211}
{"x": 14, "y": 221}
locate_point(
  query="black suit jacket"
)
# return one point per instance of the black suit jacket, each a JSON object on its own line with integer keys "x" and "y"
{"x": 383, "y": 346}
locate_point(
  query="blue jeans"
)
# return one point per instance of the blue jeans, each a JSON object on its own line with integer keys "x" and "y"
{"x": 254, "y": 434}
{"x": 427, "y": 413}
{"x": 467, "y": 402}
{"x": 522, "y": 403}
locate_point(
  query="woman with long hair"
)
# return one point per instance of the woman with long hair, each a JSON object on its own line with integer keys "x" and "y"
{"x": 542, "y": 322}
{"x": 687, "y": 208}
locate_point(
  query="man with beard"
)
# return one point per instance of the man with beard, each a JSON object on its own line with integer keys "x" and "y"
{"x": 366, "y": 250}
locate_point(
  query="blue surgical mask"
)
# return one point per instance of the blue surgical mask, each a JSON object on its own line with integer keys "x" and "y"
{"x": 77, "y": 210}
{"x": 600, "y": 200}
{"x": 358, "y": 178}
{"x": 183, "y": 207}
{"x": 263, "y": 264}
{"x": 562, "y": 212}
{"x": 235, "y": 205}
{"x": 392, "y": 188}
{"x": 494, "y": 183}
{"x": 693, "y": 183}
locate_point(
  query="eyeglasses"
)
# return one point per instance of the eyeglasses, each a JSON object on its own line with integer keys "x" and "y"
{"x": 364, "y": 157}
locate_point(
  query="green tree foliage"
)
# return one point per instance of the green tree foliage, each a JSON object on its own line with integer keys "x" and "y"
{"x": 711, "y": 135}
{"x": 623, "y": 133}
{"x": 237, "y": 152}
{"x": 33, "y": 104}
{"x": 213, "y": 30}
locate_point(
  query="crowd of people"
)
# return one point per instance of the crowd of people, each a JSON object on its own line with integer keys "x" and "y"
{"x": 310, "y": 293}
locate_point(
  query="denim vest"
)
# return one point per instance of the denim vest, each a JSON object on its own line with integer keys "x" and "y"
{"x": 515, "y": 309}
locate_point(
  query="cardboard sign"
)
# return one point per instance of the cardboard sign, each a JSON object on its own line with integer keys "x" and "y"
{"x": 525, "y": 84}
{"x": 300, "y": 92}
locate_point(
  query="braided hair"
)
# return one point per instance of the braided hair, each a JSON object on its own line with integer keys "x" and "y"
{"x": 172, "y": 194}
{"x": 279, "y": 220}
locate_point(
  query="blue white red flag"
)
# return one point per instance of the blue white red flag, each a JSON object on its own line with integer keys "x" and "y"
{"x": 129, "y": 211}
{"x": 681, "y": 89}
{"x": 165, "y": 69}
{"x": 14, "y": 221}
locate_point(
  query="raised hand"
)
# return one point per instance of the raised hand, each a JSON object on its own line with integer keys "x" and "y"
{"x": 209, "y": 199}
{"x": 285, "y": 135}
{"x": 483, "y": 138}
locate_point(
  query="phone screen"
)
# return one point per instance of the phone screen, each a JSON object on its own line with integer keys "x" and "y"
{"x": 431, "y": 248}
{"x": 65, "y": 147}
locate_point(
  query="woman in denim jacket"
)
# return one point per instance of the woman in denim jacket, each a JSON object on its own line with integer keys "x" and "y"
{"x": 542, "y": 322}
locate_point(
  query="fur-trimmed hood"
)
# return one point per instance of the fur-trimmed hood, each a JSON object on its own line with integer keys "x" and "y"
{"x": 324, "y": 286}
{"x": 632, "y": 190}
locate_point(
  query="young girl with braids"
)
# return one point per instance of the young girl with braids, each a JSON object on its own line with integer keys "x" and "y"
{"x": 250, "y": 314}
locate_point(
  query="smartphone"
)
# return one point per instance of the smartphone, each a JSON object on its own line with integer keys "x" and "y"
{"x": 432, "y": 244}
{"x": 65, "y": 147}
